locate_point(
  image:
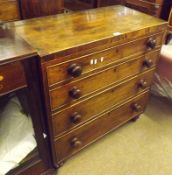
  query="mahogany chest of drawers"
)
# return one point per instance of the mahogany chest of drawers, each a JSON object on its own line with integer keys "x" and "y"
{"x": 96, "y": 68}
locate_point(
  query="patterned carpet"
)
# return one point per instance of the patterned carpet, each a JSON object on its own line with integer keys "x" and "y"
{"x": 140, "y": 148}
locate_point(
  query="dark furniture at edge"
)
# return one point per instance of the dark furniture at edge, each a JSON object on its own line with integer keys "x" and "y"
{"x": 18, "y": 62}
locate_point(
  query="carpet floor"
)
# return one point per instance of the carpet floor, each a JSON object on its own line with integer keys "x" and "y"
{"x": 140, "y": 148}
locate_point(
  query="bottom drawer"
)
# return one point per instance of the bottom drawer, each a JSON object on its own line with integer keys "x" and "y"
{"x": 82, "y": 136}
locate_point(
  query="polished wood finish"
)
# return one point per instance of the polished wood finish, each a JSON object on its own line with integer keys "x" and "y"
{"x": 12, "y": 77}
{"x": 90, "y": 30}
{"x": 96, "y": 61}
{"x": 9, "y": 10}
{"x": 96, "y": 104}
{"x": 37, "y": 8}
{"x": 13, "y": 47}
{"x": 97, "y": 128}
{"x": 96, "y": 68}
{"x": 100, "y": 80}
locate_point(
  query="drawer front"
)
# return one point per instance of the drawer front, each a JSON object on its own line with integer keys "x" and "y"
{"x": 12, "y": 77}
{"x": 79, "y": 138}
{"x": 9, "y": 10}
{"x": 78, "y": 113}
{"x": 70, "y": 92}
{"x": 70, "y": 70}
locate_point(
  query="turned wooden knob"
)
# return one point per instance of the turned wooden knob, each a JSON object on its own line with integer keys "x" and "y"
{"x": 151, "y": 43}
{"x": 136, "y": 107}
{"x": 74, "y": 70}
{"x": 143, "y": 84}
{"x": 75, "y": 93}
{"x": 76, "y": 142}
{"x": 148, "y": 62}
{"x": 76, "y": 117}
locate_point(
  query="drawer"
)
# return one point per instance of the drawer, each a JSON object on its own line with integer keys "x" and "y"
{"x": 82, "y": 136}
{"x": 78, "y": 113}
{"x": 9, "y": 10}
{"x": 70, "y": 92}
{"x": 70, "y": 70}
{"x": 12, "y": 77}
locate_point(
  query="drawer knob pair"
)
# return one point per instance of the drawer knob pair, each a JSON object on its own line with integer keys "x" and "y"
{"x": 136, "y": 107}
{"x": 76, "y": 117}
{"x": 74, "y": 70}
{"x": 76, "y": 142}
{"x": 148, "y": 62}
{"x": 75, "y": 93}
{"x": 151, "y": 43}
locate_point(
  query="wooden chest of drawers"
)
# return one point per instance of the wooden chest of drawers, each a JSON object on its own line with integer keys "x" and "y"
{"x": 96, "y": 69}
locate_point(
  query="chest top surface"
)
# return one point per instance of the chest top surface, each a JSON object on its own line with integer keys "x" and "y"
{"x": 12, "y": 47}
{"x": 58, "y": 33}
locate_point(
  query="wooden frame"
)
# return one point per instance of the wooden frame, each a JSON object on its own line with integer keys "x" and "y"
{"x": 26, "y": 56}
{"x": 37, "y": 8}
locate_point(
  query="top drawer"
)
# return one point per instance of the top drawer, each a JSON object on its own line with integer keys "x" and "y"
{"x": 69, "y": 70}
{"x": 12, "y": 77}
{"x": 9, "y": 10}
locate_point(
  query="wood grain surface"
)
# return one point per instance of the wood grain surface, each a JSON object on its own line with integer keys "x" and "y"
{"x": 68, "y": 32}
{"x": 13, "y": 47}
{"x": 76, "y": 140}
{"x": 60, "y": 96}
